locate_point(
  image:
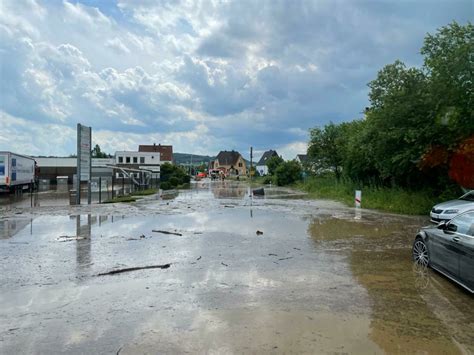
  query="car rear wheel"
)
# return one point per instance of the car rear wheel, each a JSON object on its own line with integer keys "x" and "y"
{"x": 420, "y": 252}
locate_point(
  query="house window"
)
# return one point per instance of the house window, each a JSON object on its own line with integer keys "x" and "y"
{"x": 120, "y": 159}
{"x": 127, "y": 160}
{"x": 135, "y": 160}
{"x": 240, "y": 165}
{"x": 142, "y": 160}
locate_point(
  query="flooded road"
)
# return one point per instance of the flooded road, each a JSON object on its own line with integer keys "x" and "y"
{"x": 317, "y": 278}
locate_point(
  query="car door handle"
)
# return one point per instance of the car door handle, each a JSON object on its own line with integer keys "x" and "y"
{"x": 456, "y": 239}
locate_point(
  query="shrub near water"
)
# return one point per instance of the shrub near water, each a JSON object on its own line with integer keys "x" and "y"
{"x": 287, "y": 173}
{"x": 388, "y": 199}
{"x": 172, "y": 176}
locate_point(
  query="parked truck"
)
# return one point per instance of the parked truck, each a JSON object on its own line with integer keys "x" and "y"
{"x": 17, "y": 172}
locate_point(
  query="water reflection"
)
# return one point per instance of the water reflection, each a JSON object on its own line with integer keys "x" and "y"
{"x": 8, "y": 228}
{"x": 83, "y": 242}
{"x": 229, "y": 189}
{"x": 324, "y": 228}
{"x": 408, "y": 304}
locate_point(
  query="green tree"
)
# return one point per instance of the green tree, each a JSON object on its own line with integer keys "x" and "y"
{"x": 287, "y": 173}
{"x": 399, "y": 126}
{"x": 449, "y": 64}
{"x": 326, "y": 148}
{"x": 171, "y": 176}
{"x": 97, "y": 153}
{"x": 273, "y": 163}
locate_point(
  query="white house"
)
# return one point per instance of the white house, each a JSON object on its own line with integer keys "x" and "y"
{"x": 262, "y": 167}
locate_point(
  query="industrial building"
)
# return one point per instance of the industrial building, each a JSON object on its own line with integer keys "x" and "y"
{"x": 51, "y": 168}
{"x": 149, "y": 161}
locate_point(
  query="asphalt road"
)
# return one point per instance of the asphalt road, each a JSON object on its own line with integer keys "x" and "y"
{"x": 317, "y": 278}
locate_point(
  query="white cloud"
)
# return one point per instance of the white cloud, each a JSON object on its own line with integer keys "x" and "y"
{"x": 289, "y": 151}
{"x": 117, "y": 44}
{"x": 202, "y": 75}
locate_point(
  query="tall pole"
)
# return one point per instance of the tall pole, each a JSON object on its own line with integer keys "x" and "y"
{"x": 89, "y": 197}
{"x": 251, "y": 162}
{"x": 78, "y": 168}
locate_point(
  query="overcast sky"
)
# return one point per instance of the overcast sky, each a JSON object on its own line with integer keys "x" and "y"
{"x": 203, "y": 76}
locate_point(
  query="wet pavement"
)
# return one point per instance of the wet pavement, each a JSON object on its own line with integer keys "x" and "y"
{"x": 320, "y": 279}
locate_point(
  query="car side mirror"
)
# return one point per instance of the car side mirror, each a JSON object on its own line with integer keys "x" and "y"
{"x": 441, "y": 225}
{"x": 451, "y": 227}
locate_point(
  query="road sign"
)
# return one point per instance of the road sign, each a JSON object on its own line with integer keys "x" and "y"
{"x": 84, "y": 160}
{"x": 84, "y": 153}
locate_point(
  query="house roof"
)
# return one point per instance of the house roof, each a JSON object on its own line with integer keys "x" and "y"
{"x": 268, "y": 154}
{"x": 166, "y": 151}
{"x": 228, "y": 158}
{"x": 302, "y": 157}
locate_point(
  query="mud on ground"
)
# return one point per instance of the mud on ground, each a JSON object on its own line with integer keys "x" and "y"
{"x": 319, "y": 278}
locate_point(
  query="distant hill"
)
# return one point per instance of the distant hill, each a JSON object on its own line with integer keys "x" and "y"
{"x": 185, "y": 159}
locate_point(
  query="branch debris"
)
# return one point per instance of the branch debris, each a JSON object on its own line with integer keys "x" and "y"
{"x": 119, "y": 271}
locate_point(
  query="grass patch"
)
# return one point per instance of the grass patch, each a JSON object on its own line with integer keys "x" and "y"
{"x": 121, "y": 199}
{"x": 395, "y": 200}
{"x": 144, "y": 192}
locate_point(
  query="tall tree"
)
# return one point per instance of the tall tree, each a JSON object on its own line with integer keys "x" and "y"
{"x": 326, "y": 148}
{"x": 449, "y": 64}
{"x": 97, "y": 153}
{"x": 273, "y": 163}
{"x": 399, "y": 122}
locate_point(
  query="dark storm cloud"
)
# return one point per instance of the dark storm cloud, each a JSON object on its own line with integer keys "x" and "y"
{"x": 241, "y": 72}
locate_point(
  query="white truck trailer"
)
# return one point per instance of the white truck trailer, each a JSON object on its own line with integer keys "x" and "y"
{"x": 17, "y": 172}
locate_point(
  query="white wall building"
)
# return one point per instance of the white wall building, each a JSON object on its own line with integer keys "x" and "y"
{"x": 138, "y": 160}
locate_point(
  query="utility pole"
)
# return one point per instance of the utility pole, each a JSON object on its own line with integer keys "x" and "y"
{"x": 251, "y": 162}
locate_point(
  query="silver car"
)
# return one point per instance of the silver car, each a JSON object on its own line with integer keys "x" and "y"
{"x": 449, "y": 249}
{"x": 447, "y": 210}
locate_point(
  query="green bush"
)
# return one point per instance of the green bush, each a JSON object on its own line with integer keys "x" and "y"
{"x": 390, "y": 199}
{"x": 287, "y": 173}
{"x": 173, "y": 176}
{"x": 186, "y": 179}
{"x": 166, "y": 186}
{"x": 174, "y": 181}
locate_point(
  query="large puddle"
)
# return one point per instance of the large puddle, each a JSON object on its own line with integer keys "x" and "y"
{"x": 317, "y": 279}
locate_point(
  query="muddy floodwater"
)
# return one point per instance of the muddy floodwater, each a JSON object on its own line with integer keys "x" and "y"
{"x": 278, "y": 274}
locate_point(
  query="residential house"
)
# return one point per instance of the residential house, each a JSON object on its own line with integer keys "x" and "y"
{"x": 262, "y": 167}
{"x": 231, "y": 163}
{"x": 302, "y": 159}
{"x": 165, "y": 151}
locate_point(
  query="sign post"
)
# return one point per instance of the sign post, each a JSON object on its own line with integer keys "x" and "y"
{"x": 358, "y": 198}
{"x": 251, "y": 163}
{"x": 84, "y": 161}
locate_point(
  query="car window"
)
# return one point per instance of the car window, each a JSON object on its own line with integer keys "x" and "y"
{"x": 468, "y": 197}
{"x": 463, "y": 224}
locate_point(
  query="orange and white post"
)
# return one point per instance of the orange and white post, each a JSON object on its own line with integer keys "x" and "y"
{"x": 358, "y": 198}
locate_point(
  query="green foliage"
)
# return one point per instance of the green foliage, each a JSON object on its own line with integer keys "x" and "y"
{"x": 172, "y": 176}
{"x": 287, "y": 173}
{"x": 165, "y": 186}
{"x": 144, "y": 192}
{"x": 411, "y": 111}
{"x": 449, "y": 62}
{"x": 121, "y": 199}
{"x": 273, "y": 163}
{"x": 390, "y": 199}
{"x": 97, "y": 153}
{"x": 174, "y": 181}
{"x": 326, "y": 148}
